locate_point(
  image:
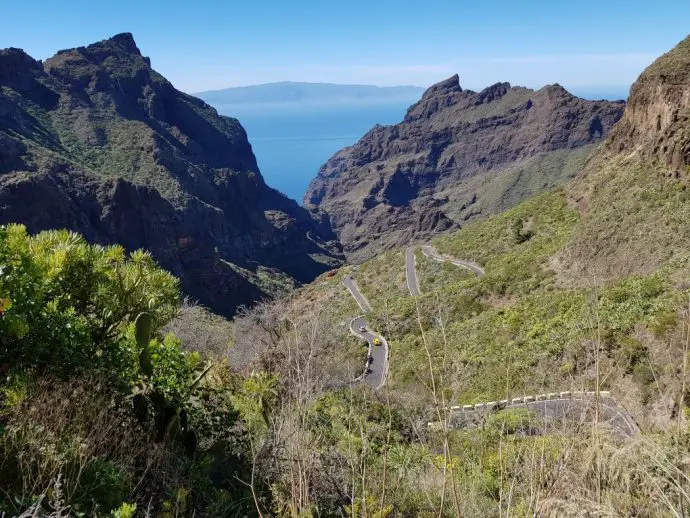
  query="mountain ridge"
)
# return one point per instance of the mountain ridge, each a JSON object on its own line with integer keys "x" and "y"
{"x": 455, "y": 156}
{"x": 94, "y": 130}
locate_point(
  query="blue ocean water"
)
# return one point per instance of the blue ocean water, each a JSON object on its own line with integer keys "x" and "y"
{"x": 292, "y": 143}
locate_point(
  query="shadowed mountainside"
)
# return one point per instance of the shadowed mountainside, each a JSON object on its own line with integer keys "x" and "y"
{"x": 96, "y": 141}
{"x": 457, "y": 155}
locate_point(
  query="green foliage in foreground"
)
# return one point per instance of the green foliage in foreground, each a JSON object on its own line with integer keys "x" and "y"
{"x": 98, "y": 413}
{"x": 67, "y": 302}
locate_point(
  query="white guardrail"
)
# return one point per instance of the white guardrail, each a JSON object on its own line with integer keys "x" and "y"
{"x": 529, "y": 399}
{"x": 609, "y": 402}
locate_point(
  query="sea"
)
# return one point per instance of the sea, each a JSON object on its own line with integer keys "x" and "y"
{"x": 291, "y": 143}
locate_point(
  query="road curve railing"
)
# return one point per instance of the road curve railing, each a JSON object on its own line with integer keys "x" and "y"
{"x": 550, "y": 406}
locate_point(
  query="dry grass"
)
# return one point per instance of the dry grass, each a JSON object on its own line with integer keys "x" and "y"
{"x": 79, "y": 434}
{"x": 202, "y": 331}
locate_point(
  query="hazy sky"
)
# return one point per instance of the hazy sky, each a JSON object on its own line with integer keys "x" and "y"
{"x": 201, "y": 45}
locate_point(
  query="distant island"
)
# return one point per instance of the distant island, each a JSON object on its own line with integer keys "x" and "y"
{"x": 289, "y": 93}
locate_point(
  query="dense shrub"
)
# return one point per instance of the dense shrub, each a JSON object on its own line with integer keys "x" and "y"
{"x": 82, "y": 416}
{"x": 66, "y": 303}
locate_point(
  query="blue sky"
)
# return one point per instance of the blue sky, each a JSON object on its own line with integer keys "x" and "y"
{"x": 204, "y": 45}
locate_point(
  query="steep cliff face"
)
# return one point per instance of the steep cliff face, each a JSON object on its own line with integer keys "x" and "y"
{"x": 634, "y": 193}
{"x": 656, "y": 120}
{"x": 96, "y": 141}
{"x": 457, "y": 155}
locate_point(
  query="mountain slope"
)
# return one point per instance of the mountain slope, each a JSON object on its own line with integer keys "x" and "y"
{"x": 634, "y": 195}
{"x": 596, "y": 268}
{"x": 96, "y": 141}
{"x": 457, "y": 155}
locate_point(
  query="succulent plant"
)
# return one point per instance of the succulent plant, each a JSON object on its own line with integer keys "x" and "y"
{"x": 171, "y": 423}
{"x": 142, "y": 327}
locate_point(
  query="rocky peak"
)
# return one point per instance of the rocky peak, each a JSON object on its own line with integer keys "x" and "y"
{"x": 120, "y": 43}
{"x": 445, "y": 87}
{"x": 125, "y": 41}
{"x": 121, "y": 51}
{"x": 112, "y": 74}
{"x": 438, "y": 96}
{"x": 556, "y": 90}
{"x": 493, "y": 92}
{"x": 656, "y": 122}
{"x": 16, "y": 67}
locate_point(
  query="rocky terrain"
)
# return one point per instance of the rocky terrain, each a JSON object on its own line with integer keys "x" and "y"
{"x": 94, "y": 140}
{"x": 457, "y": 155}
{"x": 658, "y": 115}
{"x": 633, "y": 196}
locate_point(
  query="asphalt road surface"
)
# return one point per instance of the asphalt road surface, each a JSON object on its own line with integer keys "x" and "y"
{"x": 429, "y": 251}
{"x": 378, "y": 361}
{"x": 411, "y": 270}
{"x": 377, "y": 364}
{"x": 351, "y": 285}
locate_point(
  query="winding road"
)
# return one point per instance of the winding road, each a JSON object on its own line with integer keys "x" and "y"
{"x": 560, "y": 406}
{"x": 430, "y": 252}
{"x": 362, "y": 301}
{"x": 572, "y": 407}
{"x": 376, "y": 368}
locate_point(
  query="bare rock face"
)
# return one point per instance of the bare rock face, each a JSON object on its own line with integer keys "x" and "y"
{"x": 657, "y": 119}
{"x": 96, "y": 141}
{"x": 633, "y": 194}
{"x": 408, "y": 181}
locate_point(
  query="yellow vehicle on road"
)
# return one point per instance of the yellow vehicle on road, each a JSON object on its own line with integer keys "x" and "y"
{"x": 377, "y": 341}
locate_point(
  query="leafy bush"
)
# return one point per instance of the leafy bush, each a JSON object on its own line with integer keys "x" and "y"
{"x": 66, "y": 302}
{"x": 88, "y": 383}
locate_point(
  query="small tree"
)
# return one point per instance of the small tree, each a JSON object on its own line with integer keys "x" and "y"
{"x": 520, "y": 235}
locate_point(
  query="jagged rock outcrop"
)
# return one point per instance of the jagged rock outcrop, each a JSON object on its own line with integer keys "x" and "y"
{"x": 457, "y": 155}
{"x": 96, "y": 141}
{"x": 634, "y": 194}
{"x": 657, "y": 120}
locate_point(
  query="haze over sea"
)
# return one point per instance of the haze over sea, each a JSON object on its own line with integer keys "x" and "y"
{"x": 292, "y": 141}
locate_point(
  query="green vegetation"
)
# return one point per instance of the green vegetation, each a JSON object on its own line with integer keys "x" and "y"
{"x": 67, "y": 302}
{"x": 383, "y": 277}
{"x": 270, "y": 281}
{"x": 139, "y": 419}
{"x": 97, "y": 409}
{"x": 434, "y": 275}
{"x": 514, "y": 266}
{"x": 635, "y": 222}
{"x": 119, "y": 399}
{"x": 499, "y": 191}
{"x": 525, "y": 327}
{"x": 517, "y": 330}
